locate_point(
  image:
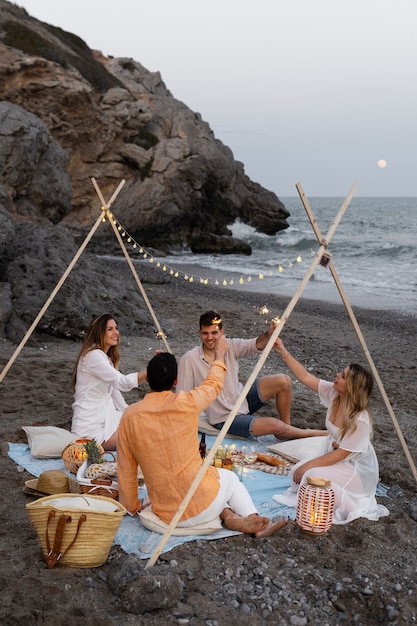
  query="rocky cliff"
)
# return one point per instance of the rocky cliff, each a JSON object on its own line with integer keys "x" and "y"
{"x": 68, "y": 114}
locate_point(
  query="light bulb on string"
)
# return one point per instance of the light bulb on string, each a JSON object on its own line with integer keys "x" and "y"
{"x": 205, "y": 281}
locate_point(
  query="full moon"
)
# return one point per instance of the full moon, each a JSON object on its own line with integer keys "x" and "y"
{"x": 382, "y": 163}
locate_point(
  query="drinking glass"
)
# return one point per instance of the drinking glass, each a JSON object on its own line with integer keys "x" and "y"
{"x": 250, "y": 454}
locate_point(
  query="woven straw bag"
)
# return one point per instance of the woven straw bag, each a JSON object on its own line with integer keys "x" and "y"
{"x": 77, "y": 530}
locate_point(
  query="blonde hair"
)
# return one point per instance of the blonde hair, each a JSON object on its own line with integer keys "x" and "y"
{"x": 94, "y": 338}
{"x": 359, "y": 384}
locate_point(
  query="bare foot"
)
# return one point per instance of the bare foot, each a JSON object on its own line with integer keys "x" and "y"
{"x": 271, "y": 528}
{"x": 250, "y": 525}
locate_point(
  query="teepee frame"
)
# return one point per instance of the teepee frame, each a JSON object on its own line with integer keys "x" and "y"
{"x": 321, "y": 257}
{"x": 105, "y": 213}
{"x": 359, "y": 334}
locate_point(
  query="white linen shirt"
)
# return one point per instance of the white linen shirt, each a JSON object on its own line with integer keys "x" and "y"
{"x": 193, "y": 368}
{"x": 98, "y": 404}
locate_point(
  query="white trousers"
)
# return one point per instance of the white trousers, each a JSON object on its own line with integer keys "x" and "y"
{"x": 232, "y": 494}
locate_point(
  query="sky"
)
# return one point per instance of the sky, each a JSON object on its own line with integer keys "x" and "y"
{"x": 317, "y": 92}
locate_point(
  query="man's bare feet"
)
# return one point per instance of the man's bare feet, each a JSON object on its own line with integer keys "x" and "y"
{"x": 271, "y": 528}
{"x": 251, "y": 525}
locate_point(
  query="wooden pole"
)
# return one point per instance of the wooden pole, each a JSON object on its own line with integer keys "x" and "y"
{"x": 222, "y": 433}
{"x": 359, "y": 335}
{"x": 59, "y": 284}
{"x": 132, "y": 268}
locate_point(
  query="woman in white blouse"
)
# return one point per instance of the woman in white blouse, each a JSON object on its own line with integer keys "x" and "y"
{"x": 97, "y": 383}
{"x": 346, "y": 457}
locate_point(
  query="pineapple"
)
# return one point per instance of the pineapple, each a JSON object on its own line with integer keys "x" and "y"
{"x": 97, "y": 465}
{"x": 94, "y": 452}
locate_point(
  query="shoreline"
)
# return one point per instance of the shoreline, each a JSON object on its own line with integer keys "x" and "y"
{"x": 281, "y": 287}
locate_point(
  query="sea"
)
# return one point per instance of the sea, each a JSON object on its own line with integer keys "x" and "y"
{"x": 373, "y": 250}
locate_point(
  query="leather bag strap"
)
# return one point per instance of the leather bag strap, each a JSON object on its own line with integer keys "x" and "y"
{"x": 55, "y": 553}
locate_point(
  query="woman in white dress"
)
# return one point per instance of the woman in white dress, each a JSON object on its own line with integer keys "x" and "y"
{"x": 97, "y": 383}
{"x": 346, "y": 457}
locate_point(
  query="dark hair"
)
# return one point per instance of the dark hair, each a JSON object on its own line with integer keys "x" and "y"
{"x": 94, "y": 338}
{"x": 209, "y": 318}
{"x": 162, "y": 371}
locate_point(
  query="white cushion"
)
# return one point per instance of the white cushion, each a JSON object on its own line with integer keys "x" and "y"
{"x": 154, "y": 523}
{"x": 300, "y": 449}
{"x": 47, "y": 441}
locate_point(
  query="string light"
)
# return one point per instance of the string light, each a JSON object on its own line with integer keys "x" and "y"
{"x": 204, "y": 280}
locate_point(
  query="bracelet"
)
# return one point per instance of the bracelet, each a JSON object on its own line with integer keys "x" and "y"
{"x": 285, "y": 356}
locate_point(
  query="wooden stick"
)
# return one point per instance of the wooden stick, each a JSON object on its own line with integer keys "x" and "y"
{"x": 132, "y": 268}
{"x": 245, "y": 390}
{"x": 59, "y": 284}
{"x": 359, "y": 335}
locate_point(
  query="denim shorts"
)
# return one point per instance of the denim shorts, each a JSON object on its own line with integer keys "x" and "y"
{"x": 242, "y": 423}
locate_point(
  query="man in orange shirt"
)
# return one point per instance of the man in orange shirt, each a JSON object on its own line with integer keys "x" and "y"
{"x": 160, "y": 434}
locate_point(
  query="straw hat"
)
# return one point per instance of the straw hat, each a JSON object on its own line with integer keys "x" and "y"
{"x": 51, "y": 482}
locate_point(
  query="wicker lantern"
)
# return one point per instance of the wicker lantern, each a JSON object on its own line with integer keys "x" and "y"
{"x": 315, "y": 506}
{"x": 75, "y": 453}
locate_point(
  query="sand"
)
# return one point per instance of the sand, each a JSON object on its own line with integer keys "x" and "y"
{"x": 362, "y": 573}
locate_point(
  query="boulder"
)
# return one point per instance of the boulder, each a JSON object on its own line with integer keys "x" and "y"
{"x": 69, "y": 114}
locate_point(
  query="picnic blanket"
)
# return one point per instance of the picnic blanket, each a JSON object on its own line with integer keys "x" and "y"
{"x": 134, "y": 538}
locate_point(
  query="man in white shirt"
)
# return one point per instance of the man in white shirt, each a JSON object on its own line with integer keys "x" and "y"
{"x": 195, "y": 364}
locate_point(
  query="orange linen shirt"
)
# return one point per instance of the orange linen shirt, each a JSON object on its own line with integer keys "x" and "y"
{"x": 160, "y": 434}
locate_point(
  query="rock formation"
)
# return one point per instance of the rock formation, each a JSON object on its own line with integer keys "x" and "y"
{"x": 69, "y": 114}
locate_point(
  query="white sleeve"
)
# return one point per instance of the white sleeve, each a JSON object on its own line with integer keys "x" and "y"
{"x": 97, "y": 364}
